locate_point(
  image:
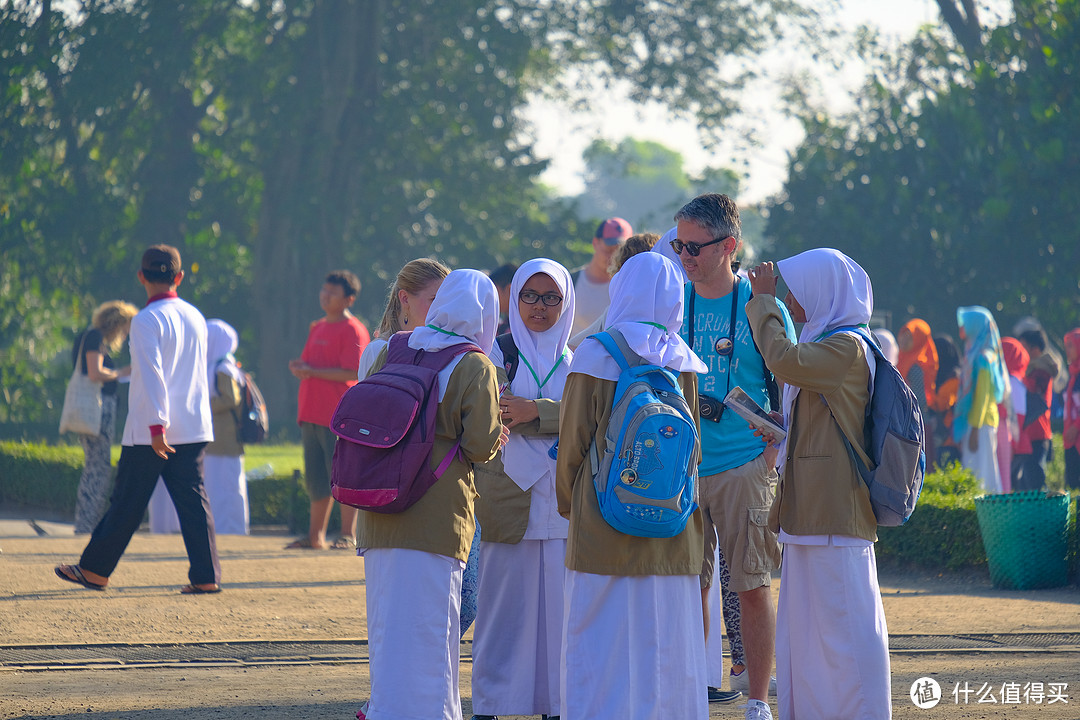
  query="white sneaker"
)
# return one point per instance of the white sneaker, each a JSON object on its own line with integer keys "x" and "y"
{"x": 741, "y": 682}
{"x": 757, "y": 710}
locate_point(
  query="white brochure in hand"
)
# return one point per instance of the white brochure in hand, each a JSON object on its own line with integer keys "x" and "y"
{"x": 753, "y": 413}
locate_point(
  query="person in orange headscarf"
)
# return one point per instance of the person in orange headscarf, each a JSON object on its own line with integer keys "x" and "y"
{"x": 1071, "y": 433}
{"x": 945, "y": 395}
{"x": 918, "y": 365}
{"x": 1019, "y": 445}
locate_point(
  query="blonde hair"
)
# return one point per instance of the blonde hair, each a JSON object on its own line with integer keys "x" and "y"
{"x": 113, "y": 320}
{"x": 413, "y": 278}
{"x": 642, "y": 242}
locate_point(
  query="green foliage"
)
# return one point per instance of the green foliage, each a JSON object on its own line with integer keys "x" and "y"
{"x": 274, "y": 141}
{"x": 40, "y": 476}
{"x": 956, "y": 182}
{"x": 943, "y": 532}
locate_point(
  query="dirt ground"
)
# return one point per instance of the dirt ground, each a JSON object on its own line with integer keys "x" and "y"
{"x": 273, "y": 594}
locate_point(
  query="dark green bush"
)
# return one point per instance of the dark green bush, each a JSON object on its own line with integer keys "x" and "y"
{"x": 45, "y": 478}
{"x": 40, "y": 476}
{"x": 943, "y": 532}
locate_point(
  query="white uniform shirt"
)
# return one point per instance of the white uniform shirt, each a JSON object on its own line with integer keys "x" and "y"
{"x": 168, "y": 375}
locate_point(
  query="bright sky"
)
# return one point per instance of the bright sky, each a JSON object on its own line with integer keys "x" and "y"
{"x": 562, "y": 135}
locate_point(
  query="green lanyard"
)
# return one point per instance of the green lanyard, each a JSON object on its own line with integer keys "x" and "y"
{"x": 553, "y": 369}
{"x": 444, "y": 332}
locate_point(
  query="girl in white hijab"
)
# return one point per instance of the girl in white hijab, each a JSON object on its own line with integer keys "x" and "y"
{"x": 832, "y": 645}
{"x": 517, "y": 644}
{"x": 413, "y": 560}
{"x": 223, "y": 462}
{"x": 634, "y": 647}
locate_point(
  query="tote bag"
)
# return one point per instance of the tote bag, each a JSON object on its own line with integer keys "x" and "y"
{"x": 82, "y": 401}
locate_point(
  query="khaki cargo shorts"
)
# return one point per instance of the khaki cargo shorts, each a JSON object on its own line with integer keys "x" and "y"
{"x": 736, "y": 503}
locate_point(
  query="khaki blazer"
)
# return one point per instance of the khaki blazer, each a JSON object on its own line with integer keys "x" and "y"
{"x": 820, "y": 490}
{"x": 441, "y": 522}
{"x": 593, "y": 546}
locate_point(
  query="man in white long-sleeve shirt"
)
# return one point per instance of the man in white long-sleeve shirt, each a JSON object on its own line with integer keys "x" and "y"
{"x": 168, "y": 426}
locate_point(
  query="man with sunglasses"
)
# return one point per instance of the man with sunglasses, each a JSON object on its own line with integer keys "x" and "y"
{"x": 737, "y": 477}
{"x": 591, "y": 280}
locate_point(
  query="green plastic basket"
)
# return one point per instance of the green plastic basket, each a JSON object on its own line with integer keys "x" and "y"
{"x": 1026, "y": 538}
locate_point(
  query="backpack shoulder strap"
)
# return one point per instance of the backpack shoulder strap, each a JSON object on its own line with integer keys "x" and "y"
{"x": 441, "y": 358}
{"x": 510, "y": 354}
{"x": 616, "y": 345}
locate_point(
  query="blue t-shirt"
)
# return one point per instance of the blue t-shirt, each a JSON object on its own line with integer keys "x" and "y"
{"x": 730, "y": 442}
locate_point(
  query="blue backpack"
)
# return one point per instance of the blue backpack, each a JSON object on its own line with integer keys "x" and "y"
{"x": 646, "y": 483}
{"x": 895, "y": 440}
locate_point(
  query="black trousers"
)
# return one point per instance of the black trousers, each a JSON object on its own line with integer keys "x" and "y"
{"x": 136, "y": 475}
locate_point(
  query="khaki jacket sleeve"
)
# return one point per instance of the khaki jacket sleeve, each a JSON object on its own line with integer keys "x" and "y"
{"x": 577, "y": 427}
{"x": 818, "y": 367}
{"x": 480, "y": 425}
{"x": 228, "y": 396}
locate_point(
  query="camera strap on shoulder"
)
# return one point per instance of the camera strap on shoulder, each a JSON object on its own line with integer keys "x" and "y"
{"x": 730, "y": 336}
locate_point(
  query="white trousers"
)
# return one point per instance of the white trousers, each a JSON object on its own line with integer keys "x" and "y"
{"x": 413, "y": 608}
{"x": 163, "y": 519}
{"x": 634, "y": 648}
{"x": 226, "y": 487}
{"x": 517, "y": 642}
{"x": 983, "y": 462}
{"x": 832, "y": 644}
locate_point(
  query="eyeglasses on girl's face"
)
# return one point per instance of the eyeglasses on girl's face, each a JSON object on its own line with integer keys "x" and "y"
{"x": 531, "y": 298}
{"x": 693, "y": 248}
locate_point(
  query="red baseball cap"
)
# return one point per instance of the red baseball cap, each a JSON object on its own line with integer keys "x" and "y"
{"x": 613, "y": 231}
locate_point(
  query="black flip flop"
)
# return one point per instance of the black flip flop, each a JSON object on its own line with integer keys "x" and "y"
{"x": 196, "y": 590}
{"x": 78, "y": 579}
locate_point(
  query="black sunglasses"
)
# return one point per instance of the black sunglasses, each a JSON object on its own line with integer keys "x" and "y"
{"x": 693, "y": 248}
{"x": 531, "y": 298}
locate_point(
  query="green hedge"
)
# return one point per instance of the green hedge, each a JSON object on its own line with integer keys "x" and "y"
{"x": 45, "y": 478}
{"x": 40, "y": 476}
{"x": 943, "y": 532}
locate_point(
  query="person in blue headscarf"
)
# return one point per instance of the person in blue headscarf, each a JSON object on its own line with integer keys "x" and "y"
{"x": 983, "y": 384}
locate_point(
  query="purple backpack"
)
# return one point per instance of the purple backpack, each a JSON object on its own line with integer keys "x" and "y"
{"x": 386, "y": 428}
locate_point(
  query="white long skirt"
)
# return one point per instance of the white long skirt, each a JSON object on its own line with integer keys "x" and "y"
{"x": 413, "y": 607}
{"x": 983, "y": 462}
{"x": 832, "y": 644}
{"x": 226, "y": 487}
{"x": 163, "y": 519}
{"x": 634, "y": 648}
{"x": 517, "y": 642}
{"x": 714, "y": 648}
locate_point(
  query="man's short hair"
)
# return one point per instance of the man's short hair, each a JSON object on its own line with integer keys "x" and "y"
{"x": 161, "y": 264}
{"x": 717, "y": 213}
{"x": 1033, "y": 338}
{"x": 503, "y": 275}
{"x": 348, "y": 281}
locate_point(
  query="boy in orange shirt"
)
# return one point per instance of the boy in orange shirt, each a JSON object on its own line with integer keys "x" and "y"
{"x": 327, "y": 368}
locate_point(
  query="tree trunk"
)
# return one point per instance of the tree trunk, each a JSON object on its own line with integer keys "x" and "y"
{"x": 306, "y": 206}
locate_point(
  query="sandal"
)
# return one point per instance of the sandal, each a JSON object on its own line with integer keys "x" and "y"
{"x": 344, "y": 543}
{"x": 303, "y": 544}
{"x": 196, "y": 590}
{"x": 76, "y": 576}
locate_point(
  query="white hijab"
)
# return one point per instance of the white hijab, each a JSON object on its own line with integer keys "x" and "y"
{"x": 647, "y": 308}
{"x": 526, "y": 459}
{"x": 465, "y": 309}
{"x": 663, "y": 247}
{"x": 221, "y": 343}
{"x": 835, "y": 292}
